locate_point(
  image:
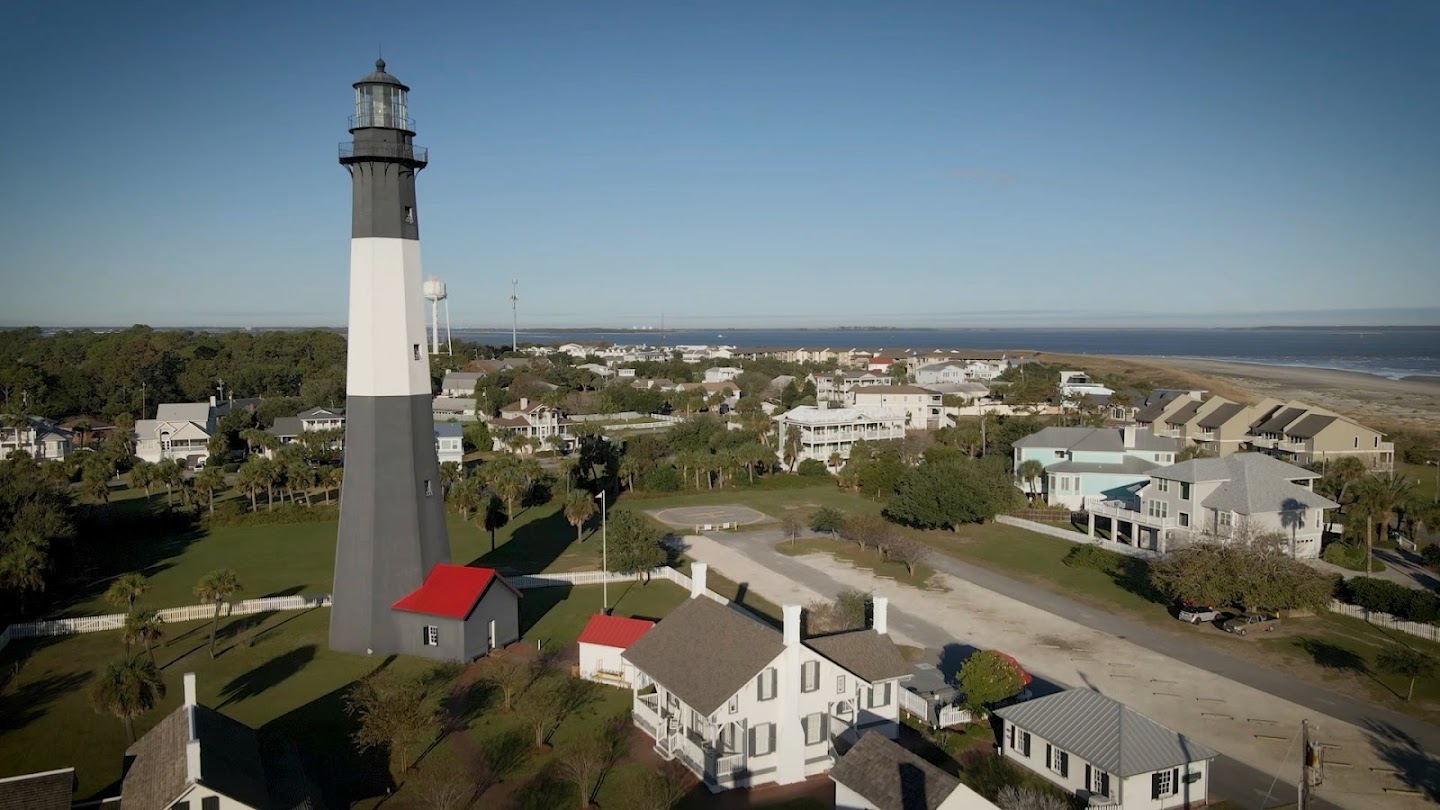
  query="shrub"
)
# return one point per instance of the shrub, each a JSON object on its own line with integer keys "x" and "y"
{"x": 1430, "y": 555}
{"x": 663, "y": 478}
{"x": 1093, "y": 556}
{"x": 812, "y": 468}
{"x": 1350, "y": 556}
{"x": 235, "y": 513}
{"x": 1384, "y": 596}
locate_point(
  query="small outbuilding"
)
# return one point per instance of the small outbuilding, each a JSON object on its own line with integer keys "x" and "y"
{"x": 603, "y": 641}
{"x": 459, "y": 613}
{"x": 878, "y": 773}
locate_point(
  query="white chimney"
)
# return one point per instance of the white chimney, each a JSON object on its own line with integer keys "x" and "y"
{"x": 524, "y": 403}
{"x": 792, "y": 624}
{"x": 192, "y": 743}
{"x": 212, "y": 400}
{"x": 1128, "y": 434}
{"x": 189, "y": 689}
{"x": 881, "y": 615}
{"x": 697, "y": 579}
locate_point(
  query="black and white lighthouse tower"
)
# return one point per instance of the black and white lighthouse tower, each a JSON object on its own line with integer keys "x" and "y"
{"x": 392, "y": 521}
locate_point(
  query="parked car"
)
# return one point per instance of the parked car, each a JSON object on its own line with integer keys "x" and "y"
{"x": 1245, "y": 622}
{"x": 1195, "y": 613}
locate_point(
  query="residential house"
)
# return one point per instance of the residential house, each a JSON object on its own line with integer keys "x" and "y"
{"x": 459, "y": 613}
{"x": 200, "y": 759}
{"x": 459, "y": 408}
{"x": 1077, "y": 384}
{"x": 1161, "y": 403}
{"x": 533, "y": 420}
{"x": 461, "y": 383}
{"x": 625, "y": 373}
{"x": 179, "y": 431}
{"x": 603, "y": 643}
{"x": 833, "y": 431}
{"x": 1222, "y": 427}
{"x": 879, "y": 365}
{"x": 937, "y": 373}
{"x": 878, "y": 773}
{"x": 1240, "y": 496}
{"x": 834, "y": 387}
{"x": 923, "y": 408}
{"x": 720, "y": 374}
{"x": 1303, "y": 434}
{"x": 1105, "y": 753}
{"x": 970, "y": 392}
{"x": 47, "y": 790}
{"x": 741, "y": 704}
{"x": 288, "y": 429}
{"x": 602, "y": 371}
{"x": 36, "y": 435}
{"x": 450, "y": 442}
{"x": 1085, "y": 462}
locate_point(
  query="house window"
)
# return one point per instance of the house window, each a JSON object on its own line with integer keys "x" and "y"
{"x": 762, "y": 739}
{"x": 1162, "y": 484}
{"x": 1057, "y": 760}
{"x": 734, "y": 704}
{"x": 1162, "y": 784}
{"x": 1225, "y": 520}
{"x": 1185, "y": 519}
{"x": 415, "y": 347}
{"x": 1099, "y": 782}
{"x": 880, "y": 695}
{"x": 210, "y": 803}
{"x": 429, "y": 490}
{"x": 1059, "y": 454}
{"x": 810, "y": 676}
{"x": 1023, "y": 743}
{"x": 814, "y": 728}
{"x": 1157, "y": 508}
{"x": 839, "y": 684}
{"x": 1184, "y": 491}
{"x": 432, "y": 635}
{"x": 765, "y": 684}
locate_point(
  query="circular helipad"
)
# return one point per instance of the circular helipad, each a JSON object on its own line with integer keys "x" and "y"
{"x": 715, "y": 517}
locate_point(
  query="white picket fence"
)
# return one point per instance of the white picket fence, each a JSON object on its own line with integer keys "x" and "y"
{"x": 116, "y": 621}
{"x": 1426, "y": 631}
{"x": 946, "y": 717}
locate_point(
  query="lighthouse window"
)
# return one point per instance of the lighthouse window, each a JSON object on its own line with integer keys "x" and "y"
{"x": 416, "y": 348}
{"x": 409, "y": 215}
{"x": 429, "y": 490}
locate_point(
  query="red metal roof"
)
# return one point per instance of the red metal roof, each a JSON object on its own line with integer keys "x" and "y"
{"x": 614, "y": 631}
{"x": 450, "y": 590}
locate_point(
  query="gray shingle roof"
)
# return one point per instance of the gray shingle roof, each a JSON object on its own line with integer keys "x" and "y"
{"x": 1100, "y": 440}
{"x": 865, "y": 653}
{"x": 1221, "y": 415}
{"x": 1224, "y": 469}
{"x": 704, "y": 652}
{"x": 1183, "y": 414}
{"x": 1105, "y": 733}
{"x": 1254, "y": 483}
{"x": 49, "y": 790}
{"x": 1150, "y": 412}
{"x": 1129, "y": 465}
{"x": 321, "y": 412}
{"x": 1281, "y": 418}
{"x": 890, "y": 777}
{"x": 286, "y": 426}
{"x": 1310, "y": 425}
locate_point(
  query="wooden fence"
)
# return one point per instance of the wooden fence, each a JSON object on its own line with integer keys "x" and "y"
{"x": 1421, "y": 629}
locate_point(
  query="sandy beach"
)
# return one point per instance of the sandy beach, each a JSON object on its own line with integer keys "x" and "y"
{"x": 1413, "y": 400}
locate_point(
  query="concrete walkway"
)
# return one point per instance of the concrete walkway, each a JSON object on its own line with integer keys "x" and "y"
{"x": 1067, "y": 644}
{"x": 1402, "y": 567}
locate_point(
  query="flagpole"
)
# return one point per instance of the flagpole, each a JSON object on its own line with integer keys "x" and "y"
{"x": 604, "y": 556}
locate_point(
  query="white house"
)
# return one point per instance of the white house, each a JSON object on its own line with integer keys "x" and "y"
{"x": 36, "y": 435}
{"x": 924, "y": 409}
{"x": 532, "y": 420}
{"x": 460, "y": 383}
{"x": 1075, "y": 384}
{"x": 1242, "y": 496}
{"x": 179, "y": 431}
{"x": 741, "y": 704}
{"x": 834, "y": 387}
{"x": 827, "y": 431}
{"x": 1105, "y": 752}
{"x": 462, "y": 408}
{"x": 289, "y": 429}
{"x": 1084, "y": 462}
{"x": 720, "y": 374}
{"x": 877, "y": 773}
{"x": 603, "y": 643}
{"x": 601, "y": 371}
{"x": 199, "y": 758}
{"x": 938, "y": 373}
{"x": 450, "y": 442}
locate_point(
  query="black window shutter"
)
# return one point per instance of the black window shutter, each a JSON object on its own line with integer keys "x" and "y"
{"x": 1049, "y": 756}
{"x": 760, "y": 687}
{"x": 1155, "y": 785}
{"x": 210, "y": 803}
{"x": 772, "y": 738}
{"x": 1090, "y": 786}
{"x": 1104, "y": 784}
{"x": 1175, "y": 781}
{"x": 753, "y": 742}
{"x": 1064, "y": 764}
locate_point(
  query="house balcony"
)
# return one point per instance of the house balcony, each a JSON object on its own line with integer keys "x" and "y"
{"x": 1117, "y": 509}
{"x": 645, "y": 709}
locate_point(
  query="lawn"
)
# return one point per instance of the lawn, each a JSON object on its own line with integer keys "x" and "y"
{"x": 275, "y": 672}
{"x": 773, "y": 502}
{"x": 1344, "y": 649}
{"x": 866, "y": 558}
{"x": 731, "y": 590}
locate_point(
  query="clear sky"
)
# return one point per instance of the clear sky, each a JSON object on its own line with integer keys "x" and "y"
{"x": 735, "y": 163}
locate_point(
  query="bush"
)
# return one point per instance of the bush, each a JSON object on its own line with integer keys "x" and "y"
{"x": 812, "y": 468}
{"x": 1430, "y": 555}
{"x": 1093, "y": 556}
{"x": 1350, "y": 556}
{"x": 1384, "y": 596}
{"x": 234, "y": 513}
{"x": 663, "y": 478}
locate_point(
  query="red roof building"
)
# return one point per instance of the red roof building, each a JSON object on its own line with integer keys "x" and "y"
{"x": 451, "y": 591}
{"x": 614, "y": 631}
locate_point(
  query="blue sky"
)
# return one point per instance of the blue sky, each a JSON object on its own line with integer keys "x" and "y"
{"x": 735, "y": 163}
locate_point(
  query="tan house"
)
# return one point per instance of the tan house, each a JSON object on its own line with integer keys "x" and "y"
{"x": 1302, "y": 434}
{"x": 923, "y": 408}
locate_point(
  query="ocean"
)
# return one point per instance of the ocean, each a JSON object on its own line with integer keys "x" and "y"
{"x": 1394, "y": 352}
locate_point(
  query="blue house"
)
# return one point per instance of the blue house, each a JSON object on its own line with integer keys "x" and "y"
{"x": 1085, "y": 462}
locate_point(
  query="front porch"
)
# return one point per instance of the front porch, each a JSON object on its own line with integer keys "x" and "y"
{"x": 1127, "y": 526}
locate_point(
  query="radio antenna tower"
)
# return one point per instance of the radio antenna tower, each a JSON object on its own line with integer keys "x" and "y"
{"x": 514, "y": 317}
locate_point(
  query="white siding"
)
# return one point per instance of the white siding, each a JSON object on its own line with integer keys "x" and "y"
{"x": 387, "y": 320}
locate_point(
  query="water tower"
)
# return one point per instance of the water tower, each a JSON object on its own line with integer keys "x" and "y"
{"x": 434, "y": 291}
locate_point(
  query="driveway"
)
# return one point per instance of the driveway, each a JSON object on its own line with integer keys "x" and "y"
{"x": 1068, "y": 644}
{"x": 1401, "y": 566}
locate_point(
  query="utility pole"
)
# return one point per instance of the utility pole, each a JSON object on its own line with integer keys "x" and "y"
{"x": 220, "y": 386}
{"x": 604, "y": 557}
{"x": 514, "y": 317}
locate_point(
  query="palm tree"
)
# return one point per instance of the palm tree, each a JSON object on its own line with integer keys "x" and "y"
{"x": 23, "y": 565}
{"x": 167, "y": 472}
{"x": 792, "y": 448}
{"x": 627, "y": 470}
{"x": 142, "y": 475}
{"x": 251, "y": 479}
{"x": 217, "y": 586}
{"x": 1387, "y": 493}
{"x": 267, "y": 473}
{"x": 146, "y": 627}
{"x": 208, "y": 482}
{"x": 127, "y": 689}
{"x": 95, "y": 483}
{"x": 450, "y": 474}
{"x": 579, "y": 508}
{"x": 1030, "y": 471}
{"x": 126, "y": 590}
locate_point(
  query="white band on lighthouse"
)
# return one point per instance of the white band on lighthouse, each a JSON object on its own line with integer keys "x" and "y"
{"x": 387, "y": 354}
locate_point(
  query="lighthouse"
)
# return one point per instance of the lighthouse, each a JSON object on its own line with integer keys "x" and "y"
{"x": 392, "y": 522}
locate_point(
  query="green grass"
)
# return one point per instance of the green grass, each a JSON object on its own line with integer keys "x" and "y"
{"x": 1344, "y": 649}
{"x": 773, "y": 502}
{"x": 730, "y": 589}
{"x": 866, "y": 558}
{"x": 275, "y": 672}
